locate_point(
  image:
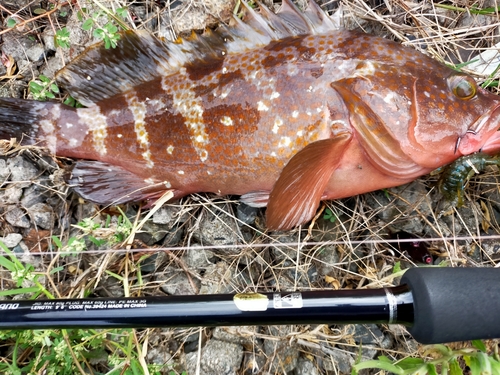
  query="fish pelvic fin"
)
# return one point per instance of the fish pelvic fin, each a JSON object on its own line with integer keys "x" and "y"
{"x": 295, "y": 197}
{"x": 108, "y": 184}
{"x": 27, "y": 120}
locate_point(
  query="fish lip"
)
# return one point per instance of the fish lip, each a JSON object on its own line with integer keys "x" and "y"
{"x": 470, "y": 142}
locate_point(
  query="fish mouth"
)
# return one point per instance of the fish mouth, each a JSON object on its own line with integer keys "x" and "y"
{"x": 474, "y": 140}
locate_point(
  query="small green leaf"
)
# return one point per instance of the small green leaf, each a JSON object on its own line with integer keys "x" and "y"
{"x": 87, "y": 25}
{"x": 396, "y": 268}
{"x": 410, "y": 363}
{"x": 455, "y": 368}
{"x": 44, "y": 78}
{"x": 39, "y": 11}
{"x": 11, "y": 22}
{"x": 379, "y": 364}
{"x": 431, "y": 369}
{"x": 35, "y": 86}
{"x": 479, "y": 344}
{"x": 122, "y": 12}
{"x": 54, "y": 88}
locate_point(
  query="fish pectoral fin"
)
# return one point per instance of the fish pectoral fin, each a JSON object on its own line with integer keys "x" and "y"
{"x": 298, "y": 191}
{"x": 107, "y": 184}
{"x": 255, "y": 198}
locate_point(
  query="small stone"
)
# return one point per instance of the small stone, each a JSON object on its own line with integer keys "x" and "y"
{"x": 284, "y": 356}
{"x": 218, "y": 230}
{"x": 198, "y": 257}
{"x": 366, "y": 334}
{"x": 305, "y": 367}
{"x": 176, "y": 282}
{"x": 12, "y": 194}
{"x": 217, "y": 358}
{"x": 42, "y": 215}
{"x": 33, "y": 194}
{"x": 4, "y": 172}
{"x": 11, "y": 240}
{"x": 243, "y": 335}
{"x": 35, "y": 53}
{"x": 17, "y": 217}
{"x": 217, "y": 279}
{"x": 338, "y": 361}
{"x": 21, "y": 169}
{"x": 246, "y": 214}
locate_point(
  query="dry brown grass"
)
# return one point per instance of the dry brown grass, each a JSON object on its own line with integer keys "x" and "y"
{"x": 263, "y": 261}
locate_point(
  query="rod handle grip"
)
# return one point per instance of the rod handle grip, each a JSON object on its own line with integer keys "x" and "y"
{"x": 454, "y": 304}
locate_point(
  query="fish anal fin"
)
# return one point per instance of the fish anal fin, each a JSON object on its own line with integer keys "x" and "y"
{"x": 296, "y": 195}
{"x": 107, "y": 184}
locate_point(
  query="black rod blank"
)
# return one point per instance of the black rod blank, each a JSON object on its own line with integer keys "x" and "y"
{"x": 438, "y": 304}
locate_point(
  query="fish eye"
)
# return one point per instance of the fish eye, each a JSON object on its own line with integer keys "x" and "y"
{"x": 463, "y": 87}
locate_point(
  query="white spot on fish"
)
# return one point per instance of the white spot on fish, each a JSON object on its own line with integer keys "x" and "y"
{"x": 226, "y": 121}
{"x": 273, "y": 153}
{"x": 300, "y": 133}
{"x": 89, "y": 78}
{"x": 203, "y": 155}
{"x": 73, "y": 142}
{"x": 167, "y": 184}
{"x": 261, "y": 106}
{"x": 69, "y": 125}
{"x": 427, "y": 94}
{"x": 180, "y": 172}
{"x": 50, "y": 137}
{"x": 139, "y": 111}
{"x": 285, "y": 142}
{"x": 277, "y": 123}
{"x": 389, "y": 98}
{"x": 149, "y": 181}
{"x": 309, "y": 89}
{"x": 170, "y": 149}
{"x": 225, "y": 93}
{"x": 224, "y": 70}
{"x": 275, "y": 95}
{"x": 295, "y": 114}
{"x": 96, "y": 122}
{"x": 119, "y": 135}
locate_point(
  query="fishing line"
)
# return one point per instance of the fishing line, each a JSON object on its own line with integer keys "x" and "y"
{"x": 291, "y": 245}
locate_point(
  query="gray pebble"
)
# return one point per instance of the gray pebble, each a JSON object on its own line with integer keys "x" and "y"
{"x": 284, "y": 356}
{"x": 306, "y": 367}
{"x": 217, "y": 358}
{"x": 20, "y": 169}
{"x": 11, "y": 240}
{"x": 216, "y": 230}
{"x": 42, "y": 215}
{"x": 197, "y": 257}
{"x": 176, "y": 282}
{"x": 12, "y": 194}
{"x": 35, "y": 53}
{"x": 17, "y": 217}
{"x": 246, "y": 214}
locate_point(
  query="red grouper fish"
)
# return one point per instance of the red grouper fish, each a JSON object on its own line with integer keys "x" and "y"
{"x": 283, "y": 109}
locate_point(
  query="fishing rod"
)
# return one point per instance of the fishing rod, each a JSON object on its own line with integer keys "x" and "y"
{"x": 437, "y": 305}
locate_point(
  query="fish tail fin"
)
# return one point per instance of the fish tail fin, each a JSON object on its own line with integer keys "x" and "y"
{"x": 24, "y": 119}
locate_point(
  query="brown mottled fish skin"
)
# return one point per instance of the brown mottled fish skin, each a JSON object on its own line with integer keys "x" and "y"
{"x": 301, "y": 118}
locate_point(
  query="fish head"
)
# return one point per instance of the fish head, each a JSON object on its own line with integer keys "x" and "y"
{"x": 414, "y": 114}
{"x": 452, "y": 116}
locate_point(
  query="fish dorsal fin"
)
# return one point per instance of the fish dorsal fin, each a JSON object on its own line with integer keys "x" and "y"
{"x": 139, "y": 57}
{"x": 100, "y": 73}
{"x": 296, "y": 195}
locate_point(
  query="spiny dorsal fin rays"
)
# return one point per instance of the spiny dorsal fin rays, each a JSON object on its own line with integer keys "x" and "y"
{"x": 139, "y": 57}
